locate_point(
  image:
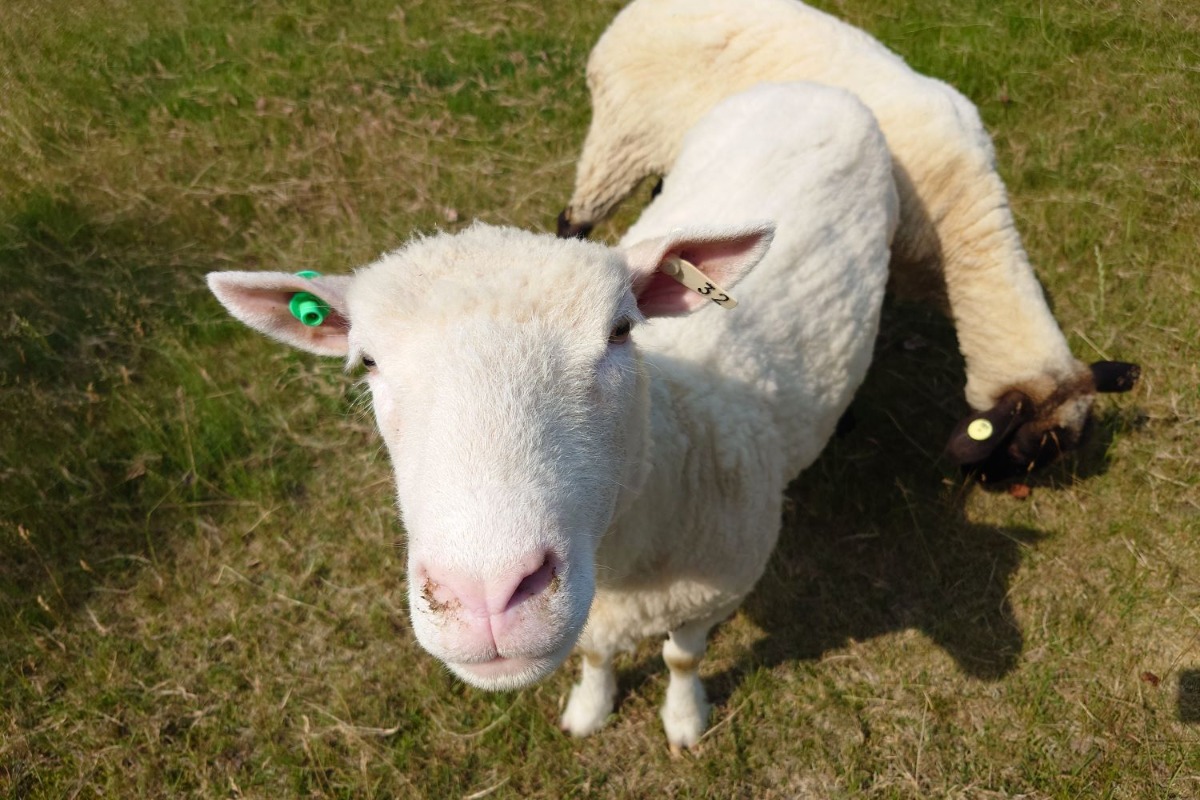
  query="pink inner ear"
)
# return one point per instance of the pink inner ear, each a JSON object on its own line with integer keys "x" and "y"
{"x": 715, "y": 258}
{"x": 663, "y": 296}
{"x": 260, "y": 299}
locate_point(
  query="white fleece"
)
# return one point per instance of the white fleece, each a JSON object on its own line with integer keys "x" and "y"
{"x": 743, "y": 400}
{"x": 662, "y": 64}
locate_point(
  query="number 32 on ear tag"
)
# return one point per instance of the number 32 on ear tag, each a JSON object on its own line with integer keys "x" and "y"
{"x": 687, "y": 274}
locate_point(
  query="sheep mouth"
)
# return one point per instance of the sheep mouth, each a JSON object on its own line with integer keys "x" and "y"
{"x": 502, "y": 673}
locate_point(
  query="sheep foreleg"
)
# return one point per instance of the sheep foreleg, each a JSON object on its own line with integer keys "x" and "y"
{"x": 685, "y": 709}
{"x": 593, "y": 698}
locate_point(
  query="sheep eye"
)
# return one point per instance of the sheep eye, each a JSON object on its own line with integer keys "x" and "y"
{"x": 620, "y": 332}
{"x": 368, "y": 362}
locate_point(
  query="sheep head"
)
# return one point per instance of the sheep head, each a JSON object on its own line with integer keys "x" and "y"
{"x": 1018, "y": 435}
{"x": 512, "y": 400}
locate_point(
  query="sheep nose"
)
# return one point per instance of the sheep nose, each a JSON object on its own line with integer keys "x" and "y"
{"x": 492, "y": 596}
{"x": 571, "y": 230}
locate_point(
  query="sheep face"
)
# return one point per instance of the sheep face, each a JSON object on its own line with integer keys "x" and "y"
{"x": 514, "y": 407}
{"x": 509, "y": 417}
{"x": 508, "y": 457}
{"x": 1018, "y": 434}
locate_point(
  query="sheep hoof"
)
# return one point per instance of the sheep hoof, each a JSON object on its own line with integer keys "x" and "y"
{"x": 685, "y": 733}
{"x": 685, "y": 718}
{"x": 580, "y": 726}
{"x": 587, "y": 711}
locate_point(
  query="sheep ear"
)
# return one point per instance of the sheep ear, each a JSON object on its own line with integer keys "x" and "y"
{"x": 976, "y": 436}
{"x": 262, "y": 300}
{"x": 724, "y": 255}
{"x": 1115, "y": 376}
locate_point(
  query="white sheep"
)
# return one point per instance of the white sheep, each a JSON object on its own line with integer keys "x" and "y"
{"x": 662, "y": 64}
{"x": 554, "y": 470}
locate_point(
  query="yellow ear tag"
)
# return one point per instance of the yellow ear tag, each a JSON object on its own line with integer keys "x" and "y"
{"x": 980, "y": 430}
{"x": 687, "y": 274}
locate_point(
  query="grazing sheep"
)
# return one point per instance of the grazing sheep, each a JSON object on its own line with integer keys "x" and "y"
{"x": 662, "y": 64}
{"x": 551, "y": 468}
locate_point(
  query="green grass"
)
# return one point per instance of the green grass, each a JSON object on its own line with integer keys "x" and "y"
{"x": 199, "y": 589}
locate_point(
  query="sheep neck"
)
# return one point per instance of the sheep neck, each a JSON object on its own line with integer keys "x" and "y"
{"x": 675, "y": 438}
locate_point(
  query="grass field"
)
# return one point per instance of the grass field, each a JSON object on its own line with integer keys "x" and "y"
{"x": 200, "y": 592}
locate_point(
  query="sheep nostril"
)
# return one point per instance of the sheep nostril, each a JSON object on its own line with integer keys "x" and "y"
{"x": 535, "y": 583}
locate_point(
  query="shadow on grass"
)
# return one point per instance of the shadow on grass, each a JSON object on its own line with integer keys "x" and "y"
{"x": 69, "y": 311}
{"x": 1090, "y": 459}
{"x": 1188, "y": 699}
{"x": 875, "y": 538}
{"x": 105, "y": 423}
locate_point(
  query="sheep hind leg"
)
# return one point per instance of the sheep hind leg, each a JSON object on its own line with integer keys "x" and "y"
{"x": 592, "y": 699}
{"x": 685, "y": 710}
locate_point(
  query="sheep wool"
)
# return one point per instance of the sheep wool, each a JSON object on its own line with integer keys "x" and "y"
{"x": 662, "y": 64}
{"x": 790, "y": 358}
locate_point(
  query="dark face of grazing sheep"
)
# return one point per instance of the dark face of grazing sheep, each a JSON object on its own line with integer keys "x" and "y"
{"x": 570, "y": 230}
{"x": 1011, "y": 438}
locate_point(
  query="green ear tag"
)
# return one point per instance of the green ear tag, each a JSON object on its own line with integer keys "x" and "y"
{"x": 980, "y": 430}
{"x": 306, "y": 306}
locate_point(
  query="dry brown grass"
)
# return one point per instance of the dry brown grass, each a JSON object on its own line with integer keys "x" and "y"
{"x": 199, "y": 592}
